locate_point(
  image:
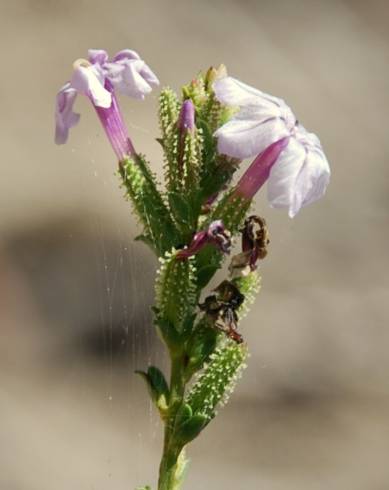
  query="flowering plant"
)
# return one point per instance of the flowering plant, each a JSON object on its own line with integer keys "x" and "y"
{"x": 190, "y": 224}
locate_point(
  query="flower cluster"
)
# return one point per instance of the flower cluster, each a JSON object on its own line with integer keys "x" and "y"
{"x": 287, "y": 156}
{"x": 191, "y": 221}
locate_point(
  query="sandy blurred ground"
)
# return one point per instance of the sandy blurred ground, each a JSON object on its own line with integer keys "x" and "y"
{"x": 312, "y": 410}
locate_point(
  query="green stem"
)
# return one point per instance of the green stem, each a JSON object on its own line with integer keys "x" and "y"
{"x": 169, "y": 470}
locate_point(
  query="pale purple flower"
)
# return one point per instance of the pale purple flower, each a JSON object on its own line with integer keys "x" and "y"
{"x": 216, "y": 234}
{"x": 290, "y": 158}
{"x": 98, "y": 79}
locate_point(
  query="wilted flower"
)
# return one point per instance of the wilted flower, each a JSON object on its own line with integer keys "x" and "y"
{"x": 98, "y": 79}
{"x": 255, "y": 239}
{"x": 215, "y": 234}
{"x": 289, "y": 157}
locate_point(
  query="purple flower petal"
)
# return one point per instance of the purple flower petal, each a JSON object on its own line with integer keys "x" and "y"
{"x": 233, "y": 92}
{"x": 240, "y": 138}
{"x": 261, "y": 120}
{"x": 65, "y": 118}
{"x": 87, "y": 80}
{"x": 301, "y": 174}
{"x": 149, "y": 76}
{"x": 126, "y": 77}
{"x": 126, "y": 54}
{"x": 98, "y": 56}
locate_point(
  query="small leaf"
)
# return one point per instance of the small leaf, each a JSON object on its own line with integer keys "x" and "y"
{"x": 184, "y": 413}
{"x": 158, "y": 380}
{"x": 146, "y": 240}
{"x": 200, "y": 346}
{"x": 192, "y": 428}
{"x": 166, "y": 330}
{"x": 156, "y": 383}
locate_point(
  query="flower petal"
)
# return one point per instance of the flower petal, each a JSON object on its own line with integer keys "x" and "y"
{"x": 65, "y": 118}
{"x": 299, "y": 177}
{"x": 149, "y": 76}
{"x": 98, "y": 56}
{"x": 314, "y": 176}
{"x": 127, "y": 79}
{"x": 233, "y": 92}
{"x": 126, "y": 54}
{"x": 87, "y": 80}
{"x": 242, "y": 138}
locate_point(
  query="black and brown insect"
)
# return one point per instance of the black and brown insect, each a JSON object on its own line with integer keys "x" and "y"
{"x": 222, "y": 309}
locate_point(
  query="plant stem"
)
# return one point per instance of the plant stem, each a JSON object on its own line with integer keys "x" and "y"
{"x": 169, "y": 467}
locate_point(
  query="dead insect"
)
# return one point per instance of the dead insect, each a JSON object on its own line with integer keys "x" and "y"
{"x": 221, "y": 308}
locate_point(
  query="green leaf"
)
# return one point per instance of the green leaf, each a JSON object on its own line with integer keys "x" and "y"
{"x": 146, "y": 240}
{"x": 184, "y": 413}
{"x": 156, "y": 384}
{"x": 166, "y": 330}
{"x": 191, "y": 428}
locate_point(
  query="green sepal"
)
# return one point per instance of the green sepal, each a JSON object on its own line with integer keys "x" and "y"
{"x": 208, "y": 261}
{"x": 148, "y": 203}
{"x": 157, "y": 386}
{"x": 176, "y": 290}
{"x": 187, "y": 325}
{"x": 180, "y": 208}
{"x": 209, "y": 141}
{"x": 217, "y": 175}
{"x": 200, "y": 346}
{"x": 147, "y": 487}
{"x": 218, "y": 379}
{"x": 168, "y": 111}
{"x": 249, "y": 286}
{"x": 195, "y": 90}
{"x": 231, "y": 209}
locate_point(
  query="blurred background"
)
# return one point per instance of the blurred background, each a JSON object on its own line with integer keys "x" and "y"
{"x": 312, "y": 411}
